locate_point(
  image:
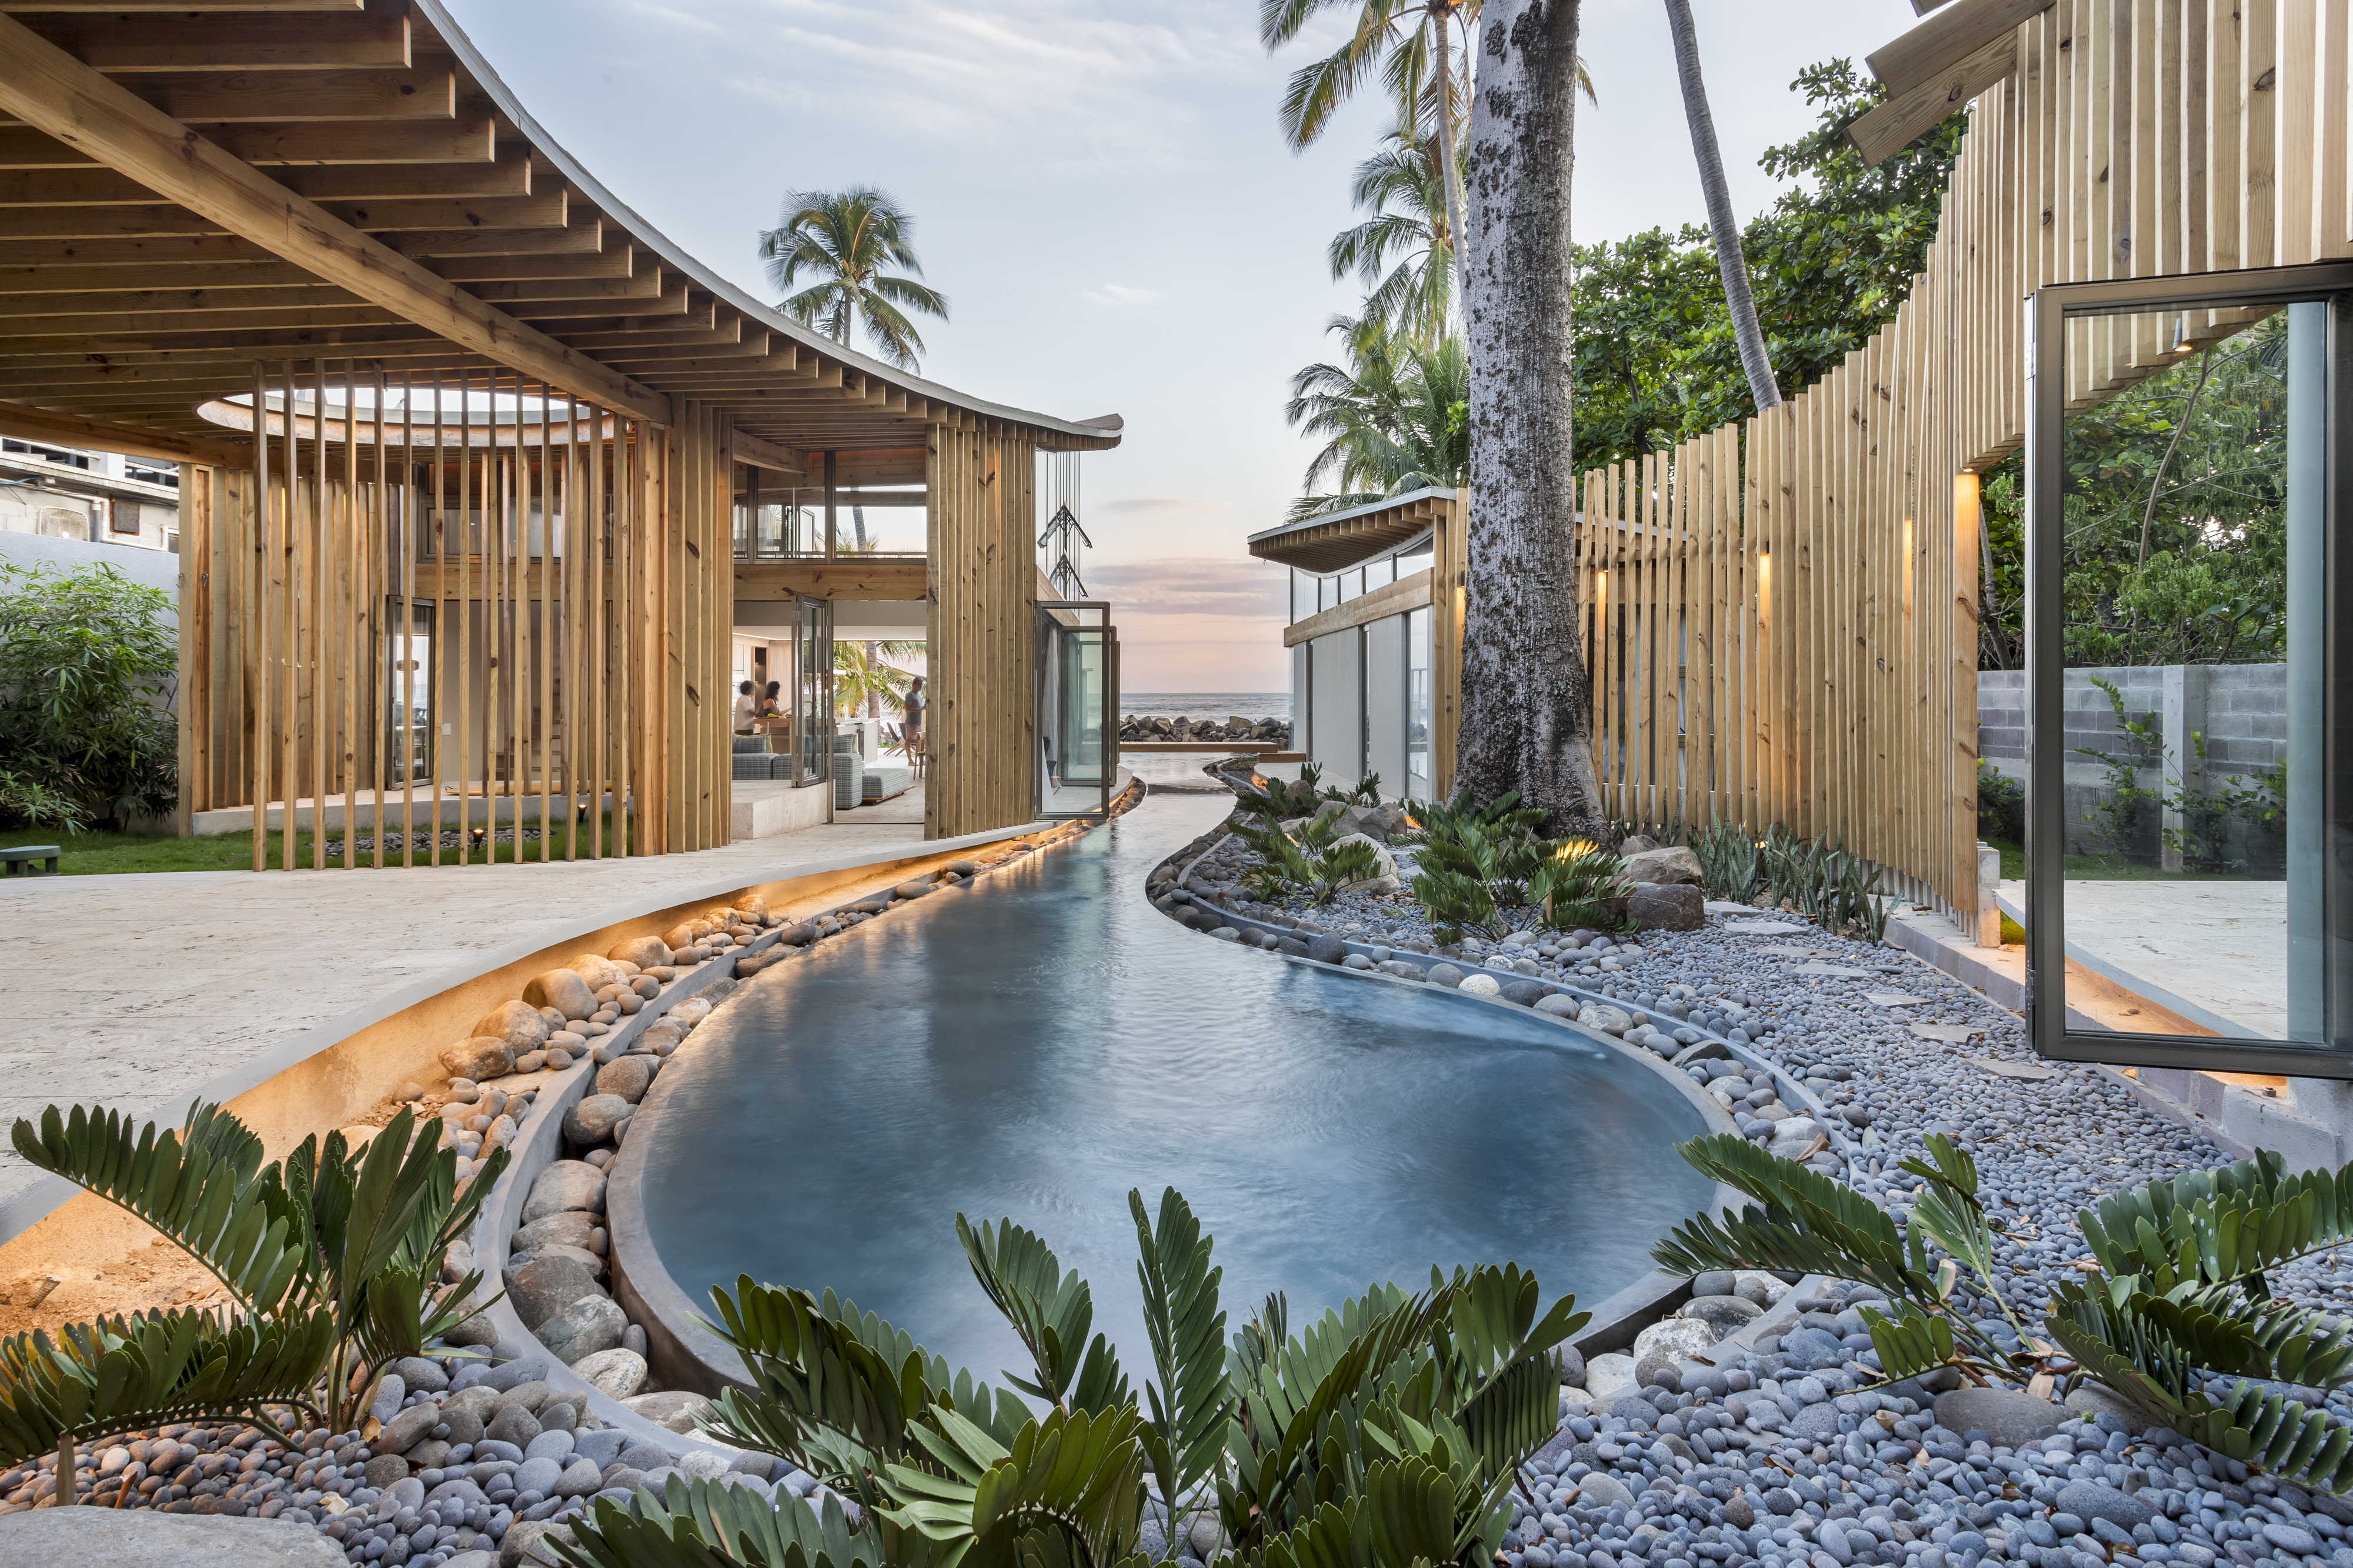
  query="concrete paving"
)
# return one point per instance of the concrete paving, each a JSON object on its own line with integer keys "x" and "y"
{"x": 133, "y": 991}
{"x": 2214, "y": 951}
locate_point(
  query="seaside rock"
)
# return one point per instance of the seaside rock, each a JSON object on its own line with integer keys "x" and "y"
{"x": 483, "y": 1056}
{"x": 562, "y": 990}
{"x": 588, "y": 1325}
{"x": 142, "y": 1537}
{"x": 1674, "y": 864}
{"x": 1666, "y": 906}
{"x": 565, "y": 1185}
{"x": 548, "y": 1284}
{"x": 673, "y": 1408}
{"x": 626, "y": 1077}
{"x": 520, "y": 1024}
{"x": 593, "y": 1118}
{"x": 2008, "y": 1416}
{"x": 618, "y": 1373}
{"x": 644, "y": 952}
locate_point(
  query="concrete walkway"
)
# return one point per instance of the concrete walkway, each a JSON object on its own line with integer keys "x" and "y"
{"x": 2214, "y": 951}
{"x": 133, "y": 991}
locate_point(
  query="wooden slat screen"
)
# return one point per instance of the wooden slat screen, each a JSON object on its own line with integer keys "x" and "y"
{"x": 1781, "y": 614}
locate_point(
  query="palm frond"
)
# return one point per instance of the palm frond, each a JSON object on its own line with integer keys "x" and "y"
{"x": 1071, "y": 1474}
{"x": 703, "y": 1524}
{"x": 1187, "y": 1330}
{"x": 1051, "y": 1312}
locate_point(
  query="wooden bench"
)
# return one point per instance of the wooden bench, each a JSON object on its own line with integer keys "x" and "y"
{"x": 25, "y": 854}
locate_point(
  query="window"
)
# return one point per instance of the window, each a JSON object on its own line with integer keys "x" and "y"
{"x": 1419, "y": 777}
{"x": 122, "y": 517}
{"x": 1302, "y": 593}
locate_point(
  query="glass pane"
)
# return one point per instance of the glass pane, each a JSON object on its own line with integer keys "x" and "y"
{"x": 408, "y": 697}
{"x": 1419, "y": 785}
{"x": 1418, "y": 559}
{"x": 2192, "y": 499}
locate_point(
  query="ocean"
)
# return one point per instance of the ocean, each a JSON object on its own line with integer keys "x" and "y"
{"x": 1217, "y": 705}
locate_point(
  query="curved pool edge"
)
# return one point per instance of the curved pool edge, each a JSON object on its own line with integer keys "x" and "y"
{"x": 683, "y": 1353}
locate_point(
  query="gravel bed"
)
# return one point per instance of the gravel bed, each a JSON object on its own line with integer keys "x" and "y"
{"x": 1847, "y": 1054}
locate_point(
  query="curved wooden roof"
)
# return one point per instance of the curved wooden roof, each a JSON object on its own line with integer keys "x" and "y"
{"x": 184, "y": 191}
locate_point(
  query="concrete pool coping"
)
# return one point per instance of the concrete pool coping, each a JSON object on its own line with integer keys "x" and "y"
{"x": 685, "y": 1353}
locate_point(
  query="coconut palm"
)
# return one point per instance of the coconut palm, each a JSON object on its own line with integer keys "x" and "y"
{"x": 1401, "y": 189}
{"x": 863, "y": 680}
{"x": 1392, "y": 419}
{"x": 1754, "y": 361}
{"x": 845, "y": 239}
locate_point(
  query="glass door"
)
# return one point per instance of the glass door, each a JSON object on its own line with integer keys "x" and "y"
{"x": 408, "y": 696}
{"x": 2189, "y": 675}
{"x": 812, "y": 688}
{"x": 1077, "y": 701}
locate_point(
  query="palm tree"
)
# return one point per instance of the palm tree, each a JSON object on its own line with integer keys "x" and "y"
{"x": 1527, "y": 699}
{"x": 1412, "y": 42}
{"x": 1393, "y": 418}
{"x": 1753, "y": 360}
{"x": 846, "y": 238}
{"x": 1401, "y": 189}
{"x": 860, "y": 678}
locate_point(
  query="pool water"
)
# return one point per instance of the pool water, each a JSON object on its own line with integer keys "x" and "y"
{"x": 1038, "y": 1043}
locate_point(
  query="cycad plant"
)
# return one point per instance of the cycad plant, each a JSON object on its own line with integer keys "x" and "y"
{"x": 1485, "y": 871}
{"x": 332, "y": 1260}
{"x": 1314, "y": 857}
{"x": 2177, "y": 1295}
{"x": 1387, "y": 1432}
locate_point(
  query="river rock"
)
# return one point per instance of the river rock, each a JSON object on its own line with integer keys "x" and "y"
{"x": 1609, "y": 1020}
{"x": 598, "y": 972}
{"x": 1603, "y": 1490}
{"x": 562, "y": 990}
{"x": 2096, "y": 1399}
{"x": 591, "y": 1121}
{"x": 565, "y": 1185}
{"x": 480, "y": 1057}
{"x": 588, "y": 1325}
{"x": 1722, "y": 1313}
{"x": 627, "y": 1078}
{"x": 572, "y": 1228}
{"x": 525, "y": 1543}
{"x": 465, "y": 1425}
{"x": 2090, "y": 1499}
{"x": 644, "y": 952}
{"x": 1666, "y": 906}
{"x": 1444, "y": 974}
{"x": 2008, "y": 1416}
{"x": 520, "y": 1024}
{"x": 679, "y": 938}
{"x": 408, "y": 1428}
{"x": 1609, "y": 1375}
{"x": 1385, "y": 863}
{"x": 1559, "y": 1004}
{"x": 1480, "y": 985}
{"x": 1675, "y": 1337}
{"x": 546, "y": 1285}
{"x": 513, "y": 1425}
{"x": 618, "y": 1373}
{"x": 673, "y": 1408}
{"x": 1674, "y": 865}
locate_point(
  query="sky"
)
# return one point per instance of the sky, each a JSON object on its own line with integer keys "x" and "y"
{"x": 1103, "y": 192}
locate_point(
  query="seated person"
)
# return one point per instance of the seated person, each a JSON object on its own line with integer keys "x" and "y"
{"x": 746, "y": 709}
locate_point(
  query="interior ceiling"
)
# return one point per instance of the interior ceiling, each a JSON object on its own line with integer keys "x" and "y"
{"x": 120, "y": 306}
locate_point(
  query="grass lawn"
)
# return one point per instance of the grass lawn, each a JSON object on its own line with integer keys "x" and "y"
{"x": 115, "y": 853}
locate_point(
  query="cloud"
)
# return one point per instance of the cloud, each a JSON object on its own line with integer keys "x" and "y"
{"x": 1119, "y": 294}
{"x": 1148, "y": 505}
{"x": 1237, "y": 590}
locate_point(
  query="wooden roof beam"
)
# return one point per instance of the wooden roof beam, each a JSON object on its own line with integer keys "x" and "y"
{"x": 28, "y": 423}
{"x": 1940, "y": 44}
{"x": 1893, "y": 125}
{"x": 428, "y": 91}
{"x": 49, "y": 90}
{"x": 249, "y": 42}
{"x": 766, "y": 454}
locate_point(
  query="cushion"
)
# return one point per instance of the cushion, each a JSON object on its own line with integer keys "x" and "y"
{"x": 751, "y": 742}
{"x": 752, "y": 767}
{"x": 781, "y": 766}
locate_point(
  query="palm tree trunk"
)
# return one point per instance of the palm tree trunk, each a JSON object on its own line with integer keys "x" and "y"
{"x": 1451, "y": 176}
{"x": 1754, "y": 361}
{"x": 1528, "y": 700}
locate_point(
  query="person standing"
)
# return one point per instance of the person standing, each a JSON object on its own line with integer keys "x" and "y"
{"x": 915, "y": 704}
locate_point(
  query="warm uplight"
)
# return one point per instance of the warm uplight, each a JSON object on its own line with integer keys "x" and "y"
{"x": 2181, "y": 343}
{"x": 1576, "y": 847}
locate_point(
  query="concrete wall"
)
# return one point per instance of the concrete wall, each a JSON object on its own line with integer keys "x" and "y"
{"x": 2240, "y": 709}
{"x": 149, "y": 568}
{"x": 1385, "y": 700}
{"x": 1336, "y": 708}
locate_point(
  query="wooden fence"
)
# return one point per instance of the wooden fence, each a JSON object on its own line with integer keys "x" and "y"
{"x": 1781, "y": 614}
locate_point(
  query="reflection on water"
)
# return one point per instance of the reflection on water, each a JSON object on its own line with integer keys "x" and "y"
{"x": 1039, "y": 1044}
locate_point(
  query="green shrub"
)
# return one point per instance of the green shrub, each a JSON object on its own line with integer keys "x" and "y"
{"x": 2002, "y": 805}
{"x": 1727, "y": 861}
{"x": 87, "y": 668}
{"x": 1484, "y": 871}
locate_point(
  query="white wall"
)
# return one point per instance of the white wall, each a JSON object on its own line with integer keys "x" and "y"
{"x": 1336, "y": 708}
{"x": 1385, "y": 700}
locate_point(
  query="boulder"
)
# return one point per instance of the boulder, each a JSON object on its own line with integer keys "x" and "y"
{"x": 616, "y": 1372}
{"x": 483, "y": 1057}
{"x": 142, "y": 1537}
{"x": 520, "y": 1024}
{"x": 1667, "y": 906}
{"x": 627, "y": 1078}
{"x": 562, "y": 990}
{"x": 598, "y": 972}
{"x": 1674, "y": 864}
{"x": 1674, "y": 1338}
{"x": 644, "y": 952}
{"x": 680, "y": 937}
{"x": 547, "y": 1284}
{"x": 2008, "y": 1416}
{"x": 588, "y": 1325}
{"x": 1386, "y": 861}
{"x": 592, "y": 1119}
{"x": 1609, "y": 1375}
{"x": 565, "y": 1185}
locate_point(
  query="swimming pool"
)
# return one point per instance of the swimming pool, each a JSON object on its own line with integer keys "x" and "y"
{"x": 1035, "y": 1045}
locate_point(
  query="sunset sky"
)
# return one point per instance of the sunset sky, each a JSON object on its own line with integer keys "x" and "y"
{"x": 1102, "y": 191}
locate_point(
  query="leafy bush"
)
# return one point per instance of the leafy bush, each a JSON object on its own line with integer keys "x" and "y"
{"x": 2177, "y": 1292}
{"x": 331, "y": 1258}
{"x": 2206, "y": 813}
{"x": 1727, "y": 861}
{"x": 86, "y": 682}
{"x": 2002, "y": 805}
{"x": 1485, "y": 871}
{"x": 1389, "y": 1431}
{"x": 1828, "y": 885}
{"x": 1311, "y": 858}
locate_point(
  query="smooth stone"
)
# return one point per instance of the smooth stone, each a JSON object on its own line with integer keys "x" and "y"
{"x": 592, "y": 1119}
{"x": 1609, "y": 1375}
{"x": 588, "y": 1325}
{"x": 1603, "y": 1490}
{"x": 1559, "y": 1004}
{"x": 644, "y": 952}
{"x": 579, "y": 1478}
{"x": 562, "y": 990}
{"x": 2089, "y": 1499}
{"x": 572, "y": 1228}
{"x": 480, "y": 1057}
{"x": 1666, "y": 906}
{"x": 465, "y": 1425}
{"x": 627, "y": 1078}
{"x": 556, "y": 1446}
{"x": 522, "y": 1546}
{"x": 2008, "y": 1416}
{"x": 618, "y": 1373}
{"x": 548, "y": 1284}
{"x": 408, "y": 1428}
{"x": 1443, "y": 975}
{"x": 143, "y": 1537}
{"x": 513, "y": 1425}
{"x": 2098, "y": 1399}
{"x": 391, "y": 1392}
{"x": 1673, "y": 865}
{"x": 674, "y": 1408}
{"x": 1716, "y": 1282}
{"x": 523, "y": 1027}
{"x": 383, "y": 1470}
{"x": 538, "y": 1475}
{"x": 565, "y": 1185}
{"x": 422, "y": 1372}
{"x": 1723, "y": 1313}
{"x": 1480, "y": 986}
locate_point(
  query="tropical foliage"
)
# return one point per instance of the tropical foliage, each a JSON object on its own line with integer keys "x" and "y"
{"x": 1486, "y": 871}
{"x": 2175, "y": 1294}
{"x": 1393, "y": 420}
{"x": 333, "y": 1260}
{"x": 2176, "y": 517}
{"x": 1403, "y": 252}
{"x": 846, "y": 241}
{"x": 1386, "y": 1432}
{"x": 863, "y": 682}
{"x": 1656, "y": 362}
{"x": 88, "y": 660}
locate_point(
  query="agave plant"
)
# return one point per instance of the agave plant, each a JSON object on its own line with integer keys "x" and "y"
{"x": 1727, "y": 861}
{"x": 332, "y": 1260}
{"x": 1385, "y": 1433}
{"x": 2177, "y": 1295}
